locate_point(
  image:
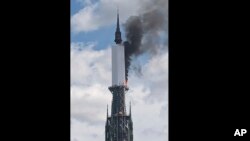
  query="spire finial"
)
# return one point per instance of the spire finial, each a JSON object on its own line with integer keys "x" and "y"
{"x": 118, "y": 38}
{"x": 118, "y": 24}
{"x": 107, "y": 110}
{"x": 117, "y": 9}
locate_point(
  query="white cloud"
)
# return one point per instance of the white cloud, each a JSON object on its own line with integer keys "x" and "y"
{"x": 89, "y": 66}
{"x": 90, "y": 78}
{"x": 81, "y": 131}
{"x": 103, "y": 13}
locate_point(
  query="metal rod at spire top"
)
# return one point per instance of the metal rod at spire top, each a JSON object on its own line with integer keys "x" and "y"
{"x": 117, "y": 9}
{"x": 107, "y": 110}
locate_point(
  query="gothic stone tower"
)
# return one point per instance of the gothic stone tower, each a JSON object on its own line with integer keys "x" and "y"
{"x": 119, "y": 126}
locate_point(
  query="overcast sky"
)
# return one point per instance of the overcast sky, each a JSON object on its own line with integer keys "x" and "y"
{"x": 92, "y": 34}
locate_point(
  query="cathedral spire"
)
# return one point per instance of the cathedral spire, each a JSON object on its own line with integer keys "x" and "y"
{"x": 119, "y": 125}
{"x": 118, "y": 38}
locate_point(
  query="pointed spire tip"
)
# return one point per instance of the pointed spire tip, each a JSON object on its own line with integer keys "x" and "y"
{"x": 107, "y": 110}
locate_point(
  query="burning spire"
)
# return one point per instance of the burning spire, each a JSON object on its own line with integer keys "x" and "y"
{"x": 116, "y": 125}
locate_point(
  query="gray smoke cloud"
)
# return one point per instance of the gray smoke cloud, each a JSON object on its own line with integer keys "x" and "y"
{"x": 144, "y": 31}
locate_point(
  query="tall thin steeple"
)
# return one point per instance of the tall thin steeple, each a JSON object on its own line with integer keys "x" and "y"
{"x": 118, "y": 38}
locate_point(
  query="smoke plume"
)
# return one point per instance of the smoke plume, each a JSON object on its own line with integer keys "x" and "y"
{"x": 143, "y": 31}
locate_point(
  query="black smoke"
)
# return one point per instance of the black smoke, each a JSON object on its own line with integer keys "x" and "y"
{"x": 142, "y": 33}
{"x": 134, "y": 33}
